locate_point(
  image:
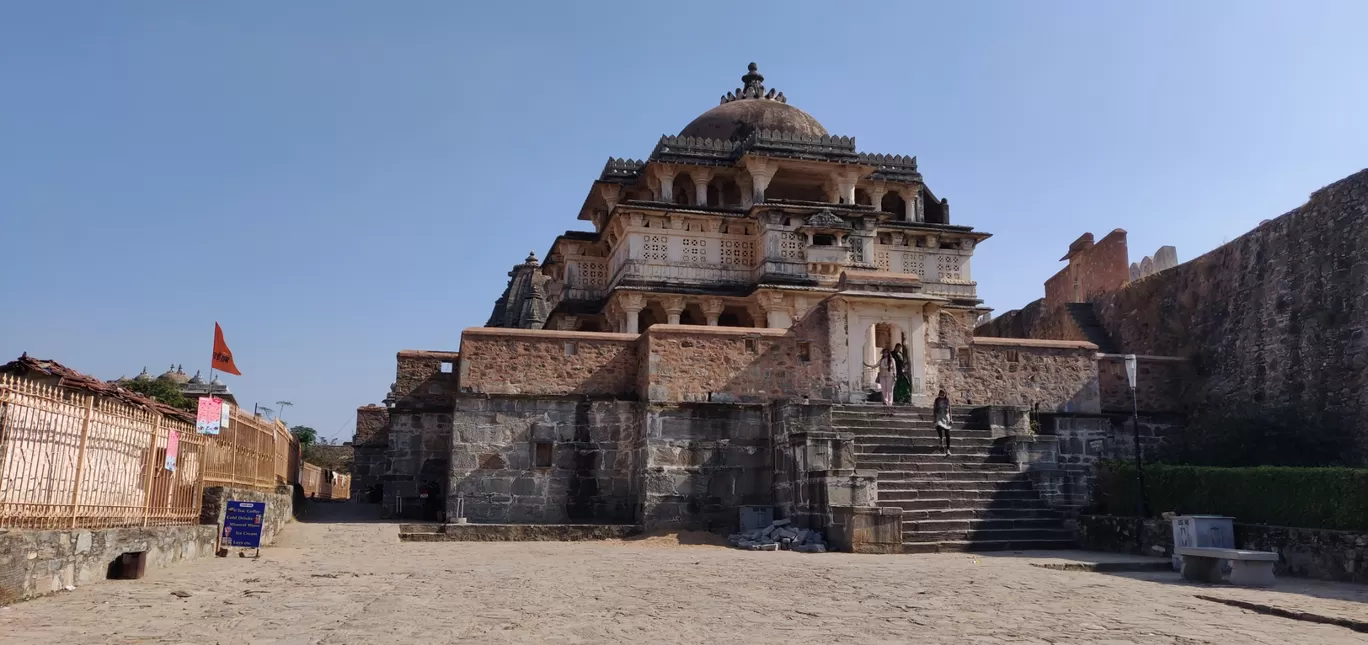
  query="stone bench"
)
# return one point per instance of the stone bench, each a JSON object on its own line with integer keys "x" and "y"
{"x": 1247, "y": 568}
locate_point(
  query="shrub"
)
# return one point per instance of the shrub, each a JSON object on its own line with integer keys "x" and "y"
{"x": 1321, "y": 498}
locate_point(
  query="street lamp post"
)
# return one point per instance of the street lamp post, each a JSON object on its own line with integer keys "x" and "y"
{"x": 1139, "y": 461}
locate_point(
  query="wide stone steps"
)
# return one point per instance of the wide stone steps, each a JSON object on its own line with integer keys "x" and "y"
{"x": 969, "y": 546}
{"x": 973, "y": 500}
{"x": 1001, "y": 513}
{"x": 946, "y": 503}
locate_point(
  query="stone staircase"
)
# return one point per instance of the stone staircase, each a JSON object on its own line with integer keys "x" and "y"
{"x": 1085, "y": 316}
{"x": 974, "y": 500}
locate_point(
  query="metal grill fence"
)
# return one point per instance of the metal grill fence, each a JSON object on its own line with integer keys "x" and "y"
{"x": 73, "y": 459}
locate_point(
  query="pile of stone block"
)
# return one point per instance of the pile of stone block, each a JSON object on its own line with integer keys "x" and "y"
{"x": 780, "y": 535}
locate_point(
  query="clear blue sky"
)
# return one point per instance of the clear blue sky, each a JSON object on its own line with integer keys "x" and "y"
{"x": 335, "y": 181}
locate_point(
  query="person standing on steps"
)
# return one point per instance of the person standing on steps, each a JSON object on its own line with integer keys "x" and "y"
{"x": 887, "y": 372}
{"x": 941, "y": 410}
{"x": 902, "y": 389}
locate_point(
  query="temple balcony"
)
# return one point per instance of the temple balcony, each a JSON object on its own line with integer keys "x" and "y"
{"x": 818, "y": 254}
{"x": 966, "y": 290}
{"x": 682, "y": 273}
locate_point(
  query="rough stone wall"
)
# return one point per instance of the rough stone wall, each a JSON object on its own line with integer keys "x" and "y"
{"x": 1307, "y": 553}
{"x": 730, "y": 364}
{"x": 1095, "y": 269}
{"x": 370, "y": 449}
{"x": 1084, "y": 439}
{"x": 1035, "y": 320}
{"x": 594, "y": 450}
{"x": 34, "y": 563}
{"x": 1055, "y": 375}
{"x": 420, "y": 378}
{"x": 279, "y": 507}
{"x": 1277, "y": 317}
{"x": 947, "y": 331}
{"x": 703, "y": 462}
{"x": 545, "y": 362}
{"x": 793, "y": 498}
{"x": 419, "y": 451}
{"x": 1161, "y": 383}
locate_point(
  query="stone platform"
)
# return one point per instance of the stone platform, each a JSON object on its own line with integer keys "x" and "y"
{"x": 515, "y": 532}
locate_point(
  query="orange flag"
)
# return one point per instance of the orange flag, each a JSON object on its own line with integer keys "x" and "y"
{"x": 223, "y": 359}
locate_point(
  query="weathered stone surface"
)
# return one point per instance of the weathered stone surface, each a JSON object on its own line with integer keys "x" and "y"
{"x": 1309, "y": 553}
{"x": 34, "y": 563}
{"x": 523, "y": 533}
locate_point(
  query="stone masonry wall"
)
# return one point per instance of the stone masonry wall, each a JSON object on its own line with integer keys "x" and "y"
{"x": 546, "y": 362}
{"x": 1307, "y": 553}
{"x": 370, "y": 448}
{"x": 416, "y": 434}
{"x": 1035, "y": 320}
{"x": 1161, "y": 383}
{"x": 1056, "y": 375}
{"x": 1092, "y": 271}
{"x": 703, "y": 462}
{"x": 425, "y": 377}
{"x": 34, "y": 563}
{"x": 279, "y": 507}
{"x": 592, "y": 449}
{"x": 725, "y": 364}
{"x": 1276, "y": 318}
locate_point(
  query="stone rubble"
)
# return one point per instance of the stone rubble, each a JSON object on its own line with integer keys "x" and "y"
{"x": 779, "y": 536}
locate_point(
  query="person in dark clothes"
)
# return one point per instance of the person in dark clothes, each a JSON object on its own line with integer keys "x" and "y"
{"x": 299, "y": 501}
{"x": 941, "y": 410}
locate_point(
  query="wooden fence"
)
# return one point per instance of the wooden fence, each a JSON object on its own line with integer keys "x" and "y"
{"x": 320, "y": 483}
{"x": 74, "y": 459}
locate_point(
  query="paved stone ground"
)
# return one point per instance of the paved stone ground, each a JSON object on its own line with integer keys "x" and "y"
{"x": 354, "y": 583}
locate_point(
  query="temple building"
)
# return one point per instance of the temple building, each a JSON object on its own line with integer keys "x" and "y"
{"x": 748, "y": 218}
{"x": 711, "y": 344}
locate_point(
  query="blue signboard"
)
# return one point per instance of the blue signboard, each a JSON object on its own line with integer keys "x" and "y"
{"x": 242, "y": 524}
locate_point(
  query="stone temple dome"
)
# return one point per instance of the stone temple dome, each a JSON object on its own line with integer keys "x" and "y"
{"x": 751, "y": 108}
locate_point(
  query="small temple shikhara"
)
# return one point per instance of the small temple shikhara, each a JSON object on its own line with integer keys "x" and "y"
{"x": 749, "y": 217}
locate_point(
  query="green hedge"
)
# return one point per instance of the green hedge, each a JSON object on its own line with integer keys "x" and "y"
{"x": 1317, "y": 498}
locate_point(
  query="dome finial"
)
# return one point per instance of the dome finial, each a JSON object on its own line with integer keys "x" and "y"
{"x": 754, "y": 82}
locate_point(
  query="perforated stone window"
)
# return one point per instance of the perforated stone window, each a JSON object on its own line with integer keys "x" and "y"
{"x": 914, "y": 263}
{"x": 738, "y": 252}
{"x": 791, "y": 246}
{"x": 655, "y": 247}
{"x": 881, "y": 259}
{"x": 695, "y": 250}
{"x": 948, "y": 266}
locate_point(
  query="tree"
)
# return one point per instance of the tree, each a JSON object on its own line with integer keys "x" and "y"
{"x": 166, "y": 392}
{"x": 307, "y": 436}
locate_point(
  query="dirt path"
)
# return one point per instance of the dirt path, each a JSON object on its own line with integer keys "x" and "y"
{"x": 354, "y": 583}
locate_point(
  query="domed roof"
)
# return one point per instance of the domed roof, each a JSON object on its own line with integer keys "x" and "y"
{"x": 750, "y": 108}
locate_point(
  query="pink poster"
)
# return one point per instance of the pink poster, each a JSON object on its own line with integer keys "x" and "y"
{"x": 209, "y": 415}
{"x": 172, "y": 447}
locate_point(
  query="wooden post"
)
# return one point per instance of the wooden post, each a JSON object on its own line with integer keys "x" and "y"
{"x": 80, "y": 459}
{"x": 151, "y": 469}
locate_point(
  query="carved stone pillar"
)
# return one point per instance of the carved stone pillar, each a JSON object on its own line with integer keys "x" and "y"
{"x": 632, "y": 304}
{"x": 612, "y": 194}
{"x": 910, "y": 200}
{"x": 876, "y": 194}
{"x": 674, "y": 306}
{"x": 777, "y": 311}
{"x": 761, "y": 172}
{"x": 665, "y": 174}
{"x": 844, "y": 180}
{"x": 800, "y": 307}
{"x": 744, "y": 183}
{"x": 712, "y": 308}
{"x": 701, "y": 177}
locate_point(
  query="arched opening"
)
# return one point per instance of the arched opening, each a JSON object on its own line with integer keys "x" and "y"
{"x": 590, "y": 324}
{"x": 788, "y": 185}
{"x": 692, "y": 315}
{"x": 651, "y": 315}
{"x": 714, "y": 195}
{"x": 878, "y": 337}
{"x": 893, "y": 203}
{"x": 683, "y": 190}
{"x": 823, "y": 239}
{"x": 735, "y": 316}
{"x": 863, "y": 198}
